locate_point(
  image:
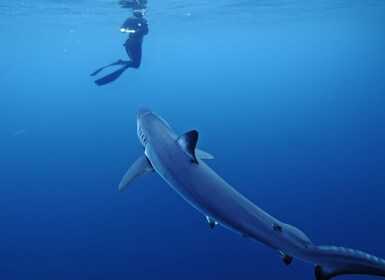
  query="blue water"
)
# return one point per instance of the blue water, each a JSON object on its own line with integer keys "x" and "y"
{"x": 288, "y": 96}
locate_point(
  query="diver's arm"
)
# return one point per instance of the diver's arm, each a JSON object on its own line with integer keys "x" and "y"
{"x": 128, "y": 26}
{"x": 123, "y": 30}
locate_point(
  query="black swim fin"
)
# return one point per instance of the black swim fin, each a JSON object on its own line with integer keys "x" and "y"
{"x": 97, "y": 71}
{"x": 119, "y": 62}
{"x": 112, "y": 76}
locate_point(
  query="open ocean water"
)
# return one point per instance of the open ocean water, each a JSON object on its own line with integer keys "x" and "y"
{"x": 289, "y": 96}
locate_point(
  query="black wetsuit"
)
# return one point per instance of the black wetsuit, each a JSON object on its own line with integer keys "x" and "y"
{"x": 133, "y": 44}
{"x": 138, "y": 28}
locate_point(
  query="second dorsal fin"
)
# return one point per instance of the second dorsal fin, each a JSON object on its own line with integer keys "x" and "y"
{"x": 188, "y": 141}
{"x": 285, "y": 258}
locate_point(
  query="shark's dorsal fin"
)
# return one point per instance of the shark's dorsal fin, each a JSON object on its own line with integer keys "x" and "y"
{"x": 140, "y": 167}
{"x": 188, "y": 141}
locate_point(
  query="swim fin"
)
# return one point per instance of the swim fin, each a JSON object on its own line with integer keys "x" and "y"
{"x": 119, "y": 62}
{"x": 98, "y": 71}
{"x": 112, "y": 76}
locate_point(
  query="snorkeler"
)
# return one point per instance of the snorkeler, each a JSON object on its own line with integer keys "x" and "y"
{"x": 137, "y": 28}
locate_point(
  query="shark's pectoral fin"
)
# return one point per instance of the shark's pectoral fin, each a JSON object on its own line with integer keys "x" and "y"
{"x": 140, "y": 167}
{"x": 211, "y": 222}
{"x": 188, "y": 142}
{"x": 203, "y": 155}
{"x": 285, "y": 258}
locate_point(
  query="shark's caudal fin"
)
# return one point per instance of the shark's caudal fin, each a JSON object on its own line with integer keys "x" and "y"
{"x": 140, "y": 167}
{"x": 339, "y": 260}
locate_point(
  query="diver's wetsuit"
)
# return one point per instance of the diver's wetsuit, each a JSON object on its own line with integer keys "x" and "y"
{"x": 133, "y": 44}
{"x": 138, "y": 28}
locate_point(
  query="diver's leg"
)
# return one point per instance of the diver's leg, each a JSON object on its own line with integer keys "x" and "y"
{"x": 127, "y": 46}
{"x": 134, "y": 51}
{"x": 137, "y": 55}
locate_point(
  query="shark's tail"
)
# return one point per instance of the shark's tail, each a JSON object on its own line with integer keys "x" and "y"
{"x": 332, "y": 261}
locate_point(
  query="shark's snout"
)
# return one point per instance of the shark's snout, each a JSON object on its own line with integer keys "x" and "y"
{"x": 142, "y": 112}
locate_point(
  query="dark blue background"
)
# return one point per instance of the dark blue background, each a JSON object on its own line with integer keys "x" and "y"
{"x": 292, "y": 109}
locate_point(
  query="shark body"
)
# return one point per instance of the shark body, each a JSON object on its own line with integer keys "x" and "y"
{"x": 177, "y": 160}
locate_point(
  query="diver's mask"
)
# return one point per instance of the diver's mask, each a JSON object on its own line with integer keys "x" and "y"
{"x": 139, "y": 13}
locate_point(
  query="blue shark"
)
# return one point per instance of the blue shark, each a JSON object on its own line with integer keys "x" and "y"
{"x": 177, "y": 160}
